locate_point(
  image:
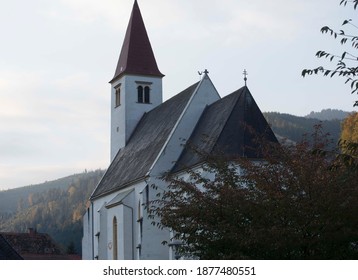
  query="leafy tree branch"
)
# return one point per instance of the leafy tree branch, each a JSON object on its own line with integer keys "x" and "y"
{"x": 347, "y": 62}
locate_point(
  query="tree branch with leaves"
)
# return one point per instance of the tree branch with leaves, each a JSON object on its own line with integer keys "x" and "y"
{"x": 347, "y": 62}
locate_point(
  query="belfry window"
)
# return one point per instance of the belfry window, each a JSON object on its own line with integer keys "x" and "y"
{"x": 117, "y": 96}
{"x": 140, "y": 94}
{"x": 146, "y": 94}
{"x": 143, "y": 94}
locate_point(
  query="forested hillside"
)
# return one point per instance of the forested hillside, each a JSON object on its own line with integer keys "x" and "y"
{"x": 328, "y": 114}
{"x": 294, "y": 128}
{"x": 57, "y": 210}
{"x": 11, "y": 199}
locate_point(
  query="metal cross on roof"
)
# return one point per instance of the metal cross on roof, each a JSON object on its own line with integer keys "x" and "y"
{"x": 205, "y": 72}
{"x": 245, "y": 76}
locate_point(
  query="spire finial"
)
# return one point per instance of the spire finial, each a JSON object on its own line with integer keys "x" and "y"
{"x": 205, "y": 72}
{"x": 245, "y": 76}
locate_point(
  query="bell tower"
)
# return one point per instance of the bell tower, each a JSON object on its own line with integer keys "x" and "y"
{"x": 136, "y": 87}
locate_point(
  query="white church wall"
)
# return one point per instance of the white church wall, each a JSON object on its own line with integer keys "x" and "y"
{"x": 127, "y": 237}
{"x": 95, "y": 225}
{"x": 124, "y": 213}
{"x": 117, "y": 117}
{"x": 86, "y": 239}
{"x": 102, "y": 234}
{"x": 152, "y": 236}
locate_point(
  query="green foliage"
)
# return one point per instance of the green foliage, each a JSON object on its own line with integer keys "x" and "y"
{"x": 301, "y": 202}
{"x": 56, "y": 211}
{"x": 346, "y": 63}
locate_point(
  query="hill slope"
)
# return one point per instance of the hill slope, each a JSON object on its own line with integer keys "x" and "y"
{"x": 294, "y": 128}
{"x": 54, "y": 210}
{"x": 328, "y": 114}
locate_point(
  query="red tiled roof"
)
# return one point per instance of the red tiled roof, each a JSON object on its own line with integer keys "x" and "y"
{"x": 136, "y": 56}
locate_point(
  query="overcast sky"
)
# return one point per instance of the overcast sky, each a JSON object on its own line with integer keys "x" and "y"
{"x": 56, "y": 58}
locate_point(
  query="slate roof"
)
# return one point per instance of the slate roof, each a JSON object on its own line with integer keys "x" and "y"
{"x": 134, "y": 160}
{"x": 118, "y": 198}
{"x": 7, "y": 252}
{"x": 136, "y": 56}
{"x": 225, "y": 128}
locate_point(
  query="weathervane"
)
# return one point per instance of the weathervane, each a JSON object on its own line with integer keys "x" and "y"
{"x": 245, "y": 75}
{"x": 206, "y": 72}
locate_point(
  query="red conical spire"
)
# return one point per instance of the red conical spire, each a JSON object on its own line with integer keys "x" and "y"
{"x": 136, "y": 56}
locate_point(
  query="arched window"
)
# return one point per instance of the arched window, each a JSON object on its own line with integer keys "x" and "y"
{"x": 140, "y": 94}
{"x": 118, "y": 96}
{"x": 146, "y": 94}
{"x": 115, "y": 239}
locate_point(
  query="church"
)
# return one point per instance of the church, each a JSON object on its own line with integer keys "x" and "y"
{"x": 148, "y": 138}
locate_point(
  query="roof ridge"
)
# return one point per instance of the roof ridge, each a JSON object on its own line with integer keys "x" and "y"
{"x": 176, "y": 123}
{"x": 237, "y": 94}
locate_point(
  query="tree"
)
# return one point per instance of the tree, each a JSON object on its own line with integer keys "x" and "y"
{"x": 300, "y": 203}
{"x": 346, "y": 63}
{"x": 350, "y": 128}
{"x": 349, "y": 140}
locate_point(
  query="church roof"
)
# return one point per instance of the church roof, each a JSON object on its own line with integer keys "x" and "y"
{"x": 135, "y": 160}
{"x": 228, "y": 127}
{"x": 136, "y": 56}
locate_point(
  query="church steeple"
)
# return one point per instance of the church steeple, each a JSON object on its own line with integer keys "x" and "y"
{"x": 136, "y": 57}
{"x": 136, "y": 85}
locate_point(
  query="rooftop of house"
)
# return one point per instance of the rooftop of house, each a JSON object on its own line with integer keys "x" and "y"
{"x": 7, "y": 252}
{"x": 35, "y": 246}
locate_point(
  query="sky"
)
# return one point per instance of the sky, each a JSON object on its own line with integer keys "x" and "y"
{"x": 57, "y": 57}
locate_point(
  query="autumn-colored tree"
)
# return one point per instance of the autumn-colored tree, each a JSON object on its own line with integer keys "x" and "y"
{"x": 350, "y": 128}
{"x": 349, "y": 141}
{"x": 346, "y": 62}
{"x": 301, "y": 202}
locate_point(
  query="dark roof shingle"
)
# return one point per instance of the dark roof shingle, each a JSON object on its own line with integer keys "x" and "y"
{"x": 226, "y": 128}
